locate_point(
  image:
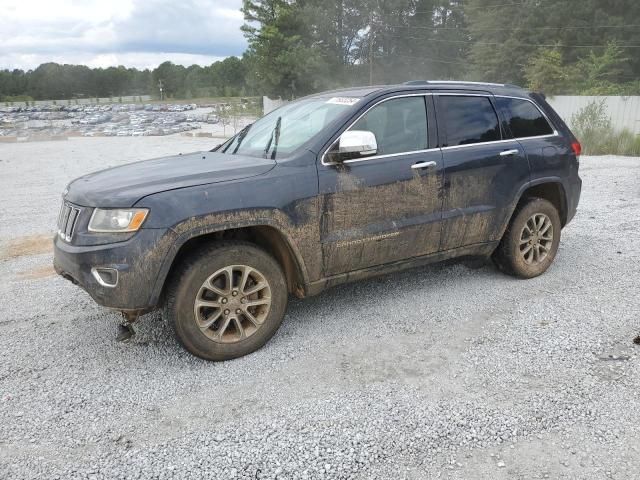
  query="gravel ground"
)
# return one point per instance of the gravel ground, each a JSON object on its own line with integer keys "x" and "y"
{"x": 442, "y": 372}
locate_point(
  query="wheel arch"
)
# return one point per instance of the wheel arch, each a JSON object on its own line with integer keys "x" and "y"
{"x": 267, "y": 236}
{"x": 551, "y": 189}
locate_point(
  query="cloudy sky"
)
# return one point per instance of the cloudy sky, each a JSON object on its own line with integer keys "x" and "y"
{"x": 134, "y": 33}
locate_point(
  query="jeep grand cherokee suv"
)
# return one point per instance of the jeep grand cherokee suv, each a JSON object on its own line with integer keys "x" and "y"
{"x": 331, "y": 188}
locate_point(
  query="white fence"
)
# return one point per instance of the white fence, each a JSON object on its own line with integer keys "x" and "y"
{"x": 623, "y": 111}
{"x": 268, "y": 105}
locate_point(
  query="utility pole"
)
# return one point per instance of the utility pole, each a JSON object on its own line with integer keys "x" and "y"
{"x": 371, "y": 37}
{"x": 160, "y": 86}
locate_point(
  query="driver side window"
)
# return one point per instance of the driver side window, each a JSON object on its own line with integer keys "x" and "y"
{"x": 400, "y": 125}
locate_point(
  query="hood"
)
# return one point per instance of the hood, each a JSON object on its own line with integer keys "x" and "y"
{"x": 123, "y": 186}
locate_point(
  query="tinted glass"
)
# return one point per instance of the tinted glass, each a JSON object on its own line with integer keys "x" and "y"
{"x": 400, "y": 125}
{"x": 523, "y": 118}
{"x": 469, "y": 120}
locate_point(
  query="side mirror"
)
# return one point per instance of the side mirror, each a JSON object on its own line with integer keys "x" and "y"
{"x": 354, "y": 144}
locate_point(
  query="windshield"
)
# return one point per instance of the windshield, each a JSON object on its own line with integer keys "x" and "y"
{"x": 282, "y": 131}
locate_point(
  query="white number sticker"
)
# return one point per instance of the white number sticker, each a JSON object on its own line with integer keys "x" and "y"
{"x": 343, "y": 100}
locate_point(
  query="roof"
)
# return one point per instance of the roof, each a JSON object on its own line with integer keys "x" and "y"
{"x": 495, "y": 88}
{"x": 447, "y": 85}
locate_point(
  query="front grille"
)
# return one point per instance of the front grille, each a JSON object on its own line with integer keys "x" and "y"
{"x": 67, "y": 221}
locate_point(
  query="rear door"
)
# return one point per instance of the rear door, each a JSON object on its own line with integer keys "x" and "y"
{"x": 483, "y": 170}
{"x": 386, "y": 207}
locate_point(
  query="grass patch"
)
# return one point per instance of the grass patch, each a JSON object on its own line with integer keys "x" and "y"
{"x": 593, "y": 128}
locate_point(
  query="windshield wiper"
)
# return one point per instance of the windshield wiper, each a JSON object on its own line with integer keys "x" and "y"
{"x": 277, "y": 135}
{"x": 275, "y": 138}
{"x": 241, "y": 134}
{"x": 224, "y": 145}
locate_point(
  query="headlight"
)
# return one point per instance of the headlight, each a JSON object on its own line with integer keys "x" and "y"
{"x": 117, "y": 220}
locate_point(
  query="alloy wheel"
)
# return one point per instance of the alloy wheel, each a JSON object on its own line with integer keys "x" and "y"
{"x": 536, "y": 239}
{"x": 232, "y": 304}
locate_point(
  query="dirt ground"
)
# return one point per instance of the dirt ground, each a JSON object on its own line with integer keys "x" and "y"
{"x": 441, "y": 372}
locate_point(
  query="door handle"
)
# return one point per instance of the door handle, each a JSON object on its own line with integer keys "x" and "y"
{"x": 508, "y": 153}
{"x": 421, "y": 165}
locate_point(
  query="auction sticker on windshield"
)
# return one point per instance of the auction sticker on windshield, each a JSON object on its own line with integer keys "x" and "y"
{"x": 343, "y": 100}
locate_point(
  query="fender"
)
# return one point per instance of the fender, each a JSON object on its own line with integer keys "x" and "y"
{"x": 524, "y": 187}
{"x": 185, "y": 233}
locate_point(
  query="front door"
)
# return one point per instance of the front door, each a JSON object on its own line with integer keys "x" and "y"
{"x": 386, "y": 207}
{"x": 483, "y": 171}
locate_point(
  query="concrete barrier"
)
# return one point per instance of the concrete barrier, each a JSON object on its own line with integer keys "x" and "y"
{"x": 8, "y": 139}
{"x": 46, "y": 138}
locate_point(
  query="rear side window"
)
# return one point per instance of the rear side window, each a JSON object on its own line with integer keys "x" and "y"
{"x": 400, "y": 125}
{"x": 468, "y": 120}
{"x": 523, "y": 118}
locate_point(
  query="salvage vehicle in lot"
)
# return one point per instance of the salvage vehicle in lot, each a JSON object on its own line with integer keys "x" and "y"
{"x": 331, "y": 188}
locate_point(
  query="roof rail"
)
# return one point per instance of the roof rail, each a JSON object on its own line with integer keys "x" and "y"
{"x": 468, "y": 83}
{"x": 457, "y": 82}
{"x": 416, "y": 82}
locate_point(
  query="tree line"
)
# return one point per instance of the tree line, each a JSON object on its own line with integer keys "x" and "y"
{"x": 568, "y": 46}
{"x": 55, "y": 81}
{"x": 296, "y": 47}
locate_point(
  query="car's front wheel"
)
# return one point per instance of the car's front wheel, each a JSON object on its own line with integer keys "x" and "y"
{"x": 531, "y": 241}
{"x": 226, "y": 301}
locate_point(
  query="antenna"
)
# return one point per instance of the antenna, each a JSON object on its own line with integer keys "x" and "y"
{"x": 371, "y": 39}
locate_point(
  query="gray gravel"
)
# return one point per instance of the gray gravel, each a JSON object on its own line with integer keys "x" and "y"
{"x": 442, "y": 372}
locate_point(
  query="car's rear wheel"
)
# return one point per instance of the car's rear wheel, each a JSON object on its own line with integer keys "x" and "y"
{"x": 531, "y": 241}
{"x": 226, "y": 301}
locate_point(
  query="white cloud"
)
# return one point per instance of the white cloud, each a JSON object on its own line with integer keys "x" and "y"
{"x": 140, "y": 33}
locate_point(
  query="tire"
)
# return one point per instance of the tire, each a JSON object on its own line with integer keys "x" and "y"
{"x": 240, "y": 327}
{"x": 513, "y": 255}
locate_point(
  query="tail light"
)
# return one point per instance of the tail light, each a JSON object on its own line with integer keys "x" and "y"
{"x": 577, "y": 148}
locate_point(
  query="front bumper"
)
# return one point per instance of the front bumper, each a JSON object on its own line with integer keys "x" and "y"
{"x": 137, "y": 262}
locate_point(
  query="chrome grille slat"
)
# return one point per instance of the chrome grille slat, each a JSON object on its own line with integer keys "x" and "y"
{"x": 71, "y": 222}
{"x": 60, "y": 215}
{"x": 67, "y": 221}
{"x": 65, "y": 216}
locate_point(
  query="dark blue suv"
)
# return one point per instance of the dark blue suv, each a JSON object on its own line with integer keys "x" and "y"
{"x": 330, "y": 188}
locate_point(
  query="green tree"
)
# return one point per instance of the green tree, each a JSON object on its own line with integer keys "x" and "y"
{"x": 336, "y": 27}
{"x": 597, "y": 74}
{"x": 172, "y": 77}
{"x": 504, "y": 36}
{"x": 228, "y": 77}
{"x": 285, "y": 61}
{"x": 546, "y": 72}
{"x": 424, "y": 39}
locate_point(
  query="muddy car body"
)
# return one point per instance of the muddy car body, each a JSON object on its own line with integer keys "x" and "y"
{"x": 421, "y": 188}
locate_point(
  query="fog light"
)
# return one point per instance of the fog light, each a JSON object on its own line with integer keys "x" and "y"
{"x": 107, "y": 277}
